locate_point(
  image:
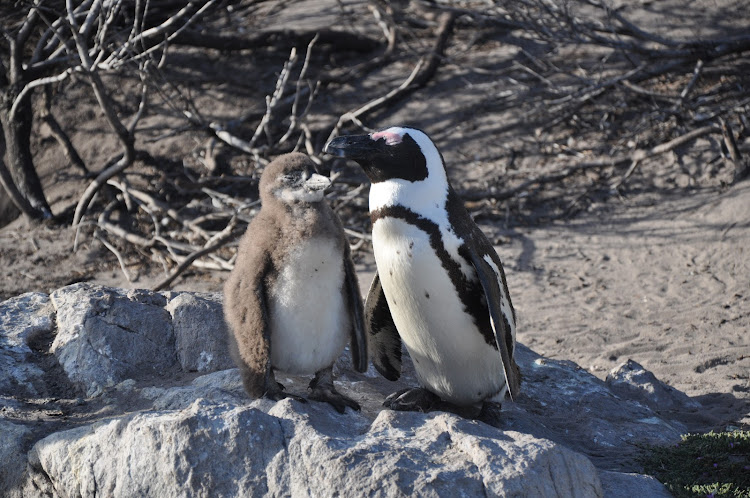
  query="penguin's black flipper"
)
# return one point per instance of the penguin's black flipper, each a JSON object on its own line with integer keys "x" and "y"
{"x": 383, "y": 338}
{"x": 489, "y": 280}
{"x": 358, "y": 332}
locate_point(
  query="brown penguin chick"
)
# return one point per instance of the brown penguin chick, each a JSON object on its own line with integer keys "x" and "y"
{"x": 292, "y": 301}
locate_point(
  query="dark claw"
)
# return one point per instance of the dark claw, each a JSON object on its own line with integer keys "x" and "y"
{"x": 321, "y": 389}
{"x": 490, "y": 413}
{"x": 333, "y": 398}
{"x": 412, "y": 400}
{"x": 278, "y": 394}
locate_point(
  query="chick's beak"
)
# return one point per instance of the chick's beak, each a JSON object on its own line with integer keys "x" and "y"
{"x": 317, "y": 182}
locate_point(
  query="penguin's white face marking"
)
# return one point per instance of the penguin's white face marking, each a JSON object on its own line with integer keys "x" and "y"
{"x": 309, "y": 323}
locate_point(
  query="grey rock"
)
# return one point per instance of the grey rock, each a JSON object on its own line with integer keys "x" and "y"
{"x": 12, "y": 457}
{"x": 206, "y": 450}
{"x": 565, "y": 403}
{"x": 200, "y": 332}
{"x": 628, "y": 485}
{"x": 106, "y": 335}
{"x": 631, "y": 381}
{"x": 224, "y": 386}
{"x": 288, "y": 448}
{"x": 23, "y": 320}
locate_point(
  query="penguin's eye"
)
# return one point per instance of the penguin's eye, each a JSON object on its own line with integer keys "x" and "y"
{"x": 294, "y": 180}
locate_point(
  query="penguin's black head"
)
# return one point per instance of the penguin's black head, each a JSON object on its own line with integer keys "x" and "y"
{"x": 391, "y": 153}
{"x": 292, "y": 178}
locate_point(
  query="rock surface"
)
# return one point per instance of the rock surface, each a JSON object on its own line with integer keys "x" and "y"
{"x": 105, "y": 336}
{"x": 12, "y": 456}
{"x": 200, "y": 332}
{"x": 631, "y": 381}
{"x": 562, "y": 402}
{"x": 287, "y": 448}
{"x": 624, "y": 485}
{"x": 157, "y": 413}
{"x": 23, "y": 319}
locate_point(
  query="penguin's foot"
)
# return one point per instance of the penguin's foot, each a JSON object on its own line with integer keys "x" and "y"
{"x": 490, "y": 413}
{"x": 321, "y": 389}
{"x": 415, "y": 399}
{"x": 333, "y": 398}
{"x": 278, "y": 394}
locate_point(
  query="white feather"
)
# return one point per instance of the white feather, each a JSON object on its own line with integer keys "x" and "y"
{"x": 289, "y": 195}
{"x": 309, "y": 322}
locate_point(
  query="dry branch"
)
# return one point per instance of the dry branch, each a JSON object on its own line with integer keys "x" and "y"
{"x": 117, "y": 254}
{"x": 422, "y": 73}
{"x": 57, "y": 131}
{"x": 741, "y": 167}
{"x": 185, "y": 264}
{"x": 634, "y": 159}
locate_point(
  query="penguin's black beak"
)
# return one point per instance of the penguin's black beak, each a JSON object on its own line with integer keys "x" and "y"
{"x": 355, "y": 147}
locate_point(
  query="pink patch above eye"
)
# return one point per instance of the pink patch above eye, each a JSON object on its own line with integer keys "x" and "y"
{"x": 390, "y": 137}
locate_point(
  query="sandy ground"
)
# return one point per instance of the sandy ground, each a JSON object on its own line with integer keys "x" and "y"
{"x": 667, "y": 285}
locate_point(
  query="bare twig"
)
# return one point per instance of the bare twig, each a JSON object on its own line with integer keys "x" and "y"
{"x": 57, "y": 131}
{"x": 353, "y": 116}
{"x": 741, "y": 168}
{"x": 422, "y": 73}
{"x": 185, "y": 264}
{"x": 640, "y": 155}
{"x": 294, "y": 117}
{"x": 689, "y": 87}
{"x": 273, "y": 99}
{"x": 156, "y": 204}
{"x": 117, "y": 254}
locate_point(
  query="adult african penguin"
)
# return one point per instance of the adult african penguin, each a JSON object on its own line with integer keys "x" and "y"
{"x": 440, "y": 286}
{"x": 292, "y": 301}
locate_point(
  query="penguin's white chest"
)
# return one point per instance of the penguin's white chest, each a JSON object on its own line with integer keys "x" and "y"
{"x": 450, "y": 355}
{"x": 308, "y": 317}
